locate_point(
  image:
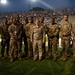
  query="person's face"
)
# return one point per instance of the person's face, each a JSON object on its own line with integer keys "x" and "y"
{"x": 11, "y": 17}
{"x": 52, "y": 20}
{"x": 5, "y": 21}
{"x": 30, "y": 20}
{"x": 41, "y": 20}
{"x": 14, "y": 21}
{"x": 66, "y": 18}
{"x": 37, "y": 22}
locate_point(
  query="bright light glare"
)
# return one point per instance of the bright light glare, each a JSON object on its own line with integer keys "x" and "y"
{"x": 47, "y": 5}
{"x": 4, "y": 1}
{"x": 33, "y": 0}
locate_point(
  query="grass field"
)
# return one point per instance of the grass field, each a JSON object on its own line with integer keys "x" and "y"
{"x": 30, "y": 67}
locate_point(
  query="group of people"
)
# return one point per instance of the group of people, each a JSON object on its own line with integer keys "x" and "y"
{"x": 33, "y": 33}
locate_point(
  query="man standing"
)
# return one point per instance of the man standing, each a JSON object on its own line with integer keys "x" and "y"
{"x": 27, "y": 29}
{"x": 5, "y": 38}
{"x": 65, "y": 29}
{"x": 20, "y": 25}
{"x": 44, "y": 27}
{"x": 37, "y": 38}
{"x": 53, "y": 32}
{"x": 15, "y": 32}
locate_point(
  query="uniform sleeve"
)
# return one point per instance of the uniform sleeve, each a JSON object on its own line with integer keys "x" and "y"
{"x": 44, "y": 37}
{"x": 31, "y": 34}
{"x": 9, "y": 30}
{"x": 61, "y": 30}
{"x": 73, "y": 33}
{"x": 70, "y": 29}
{"x": 2, "y": 32}
{"x": 57, "y": 31}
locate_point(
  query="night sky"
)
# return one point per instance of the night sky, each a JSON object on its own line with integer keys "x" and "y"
{"x": 21, "y": 5}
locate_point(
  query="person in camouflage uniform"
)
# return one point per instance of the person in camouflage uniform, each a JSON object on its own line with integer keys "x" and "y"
{"x": 37, "y": 38}
{"x": 15, "y": 32}
{"x": 44, "y": 26}
{"x": 5, "y": 38}
{"x": 19, "y": 24}
{"x": 53, "y": 31}
{"x": 65, "y": 30}
{"x": 28, "y": 28}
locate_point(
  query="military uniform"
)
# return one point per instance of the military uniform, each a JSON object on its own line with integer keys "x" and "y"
{"x": 65, "y": 38}
{"x": 15, "y": 32}
{"x": 45, "y": 29}
{"x": 53, "y": 32}
{"x": 38, "y": 38}
{"x": 27, "y": 28}
{"x": 5, "y": 39}
{"x": 20, "y": 25}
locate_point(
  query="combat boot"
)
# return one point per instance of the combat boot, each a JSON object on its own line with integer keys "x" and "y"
{"x": 49, "y": 56}
{"x": 28, "y": 57}
{"x": 3, "y": 58}
{"x": 11, "y": 60}
{"x": 55, "y": 57}
{"x": 62, "y": 57}
{"x": 65, "y": 57}
{"x": 35, "y": 59}
{"x": 19, "y": 58}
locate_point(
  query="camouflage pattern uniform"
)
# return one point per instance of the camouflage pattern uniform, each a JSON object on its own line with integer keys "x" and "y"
{"x": 44, "y": 48}
{"x": 38, "y": 38}
{"x": 20, "y": 25}
{"x": 53, "y": 31}
{"x": 27, "y": 28}
{"x": 65, "y": 36}
{"x": 5, "y": 39}
{"x": 45, "y": 29}
{"x": 15, "y": 41}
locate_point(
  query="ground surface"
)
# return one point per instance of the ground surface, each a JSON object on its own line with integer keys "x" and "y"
{"x": 30, "y": 67}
